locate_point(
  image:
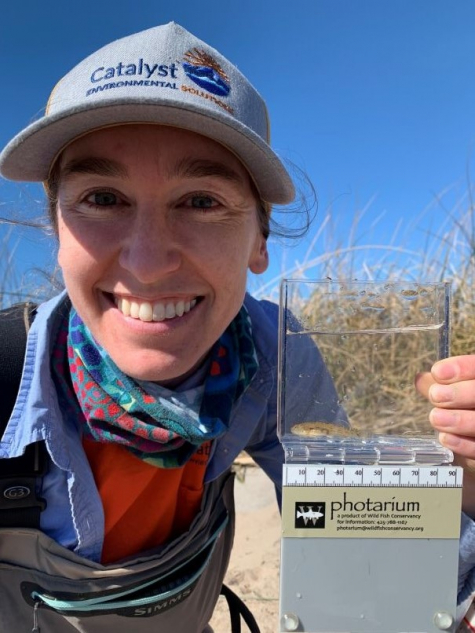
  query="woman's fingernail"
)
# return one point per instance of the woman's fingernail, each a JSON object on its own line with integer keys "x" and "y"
{"x": 443, "y": 371}
{"x": 441, "y": 393}
{"x": 448, "y": 440}
{"x": 444, "y": 418}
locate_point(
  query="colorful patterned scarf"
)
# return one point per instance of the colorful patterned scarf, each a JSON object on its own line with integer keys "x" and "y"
{"x": 114, "y": 408}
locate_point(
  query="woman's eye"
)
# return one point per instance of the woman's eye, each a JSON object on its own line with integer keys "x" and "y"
{"x": 202, "y": 202}
{"x": 102, "y": 198}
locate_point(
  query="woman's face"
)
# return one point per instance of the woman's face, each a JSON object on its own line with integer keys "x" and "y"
{"x": 156, "y": 223}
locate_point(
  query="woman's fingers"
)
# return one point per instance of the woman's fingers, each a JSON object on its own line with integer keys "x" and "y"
{"x": 456, "y": 430}
{"x": 423, "y": 382}
{"x": 454, "y": 369}
{"x": 457, "y": 395}
{"x": 462, "y": 446}
{"x": 455, "y": 421}
{"x": 450, "y": 384}
{"x": 450, "y": 387}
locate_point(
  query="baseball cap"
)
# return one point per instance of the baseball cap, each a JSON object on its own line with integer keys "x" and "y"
{"x": 162, "y": 75}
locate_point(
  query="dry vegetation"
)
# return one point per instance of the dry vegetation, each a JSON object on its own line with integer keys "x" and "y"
{"x": 374, "y": 373}
{"x": 375, "y": 339}
{"x": 9, "y": 283}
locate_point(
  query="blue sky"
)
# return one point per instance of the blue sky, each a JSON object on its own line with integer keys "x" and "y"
{"x": 373, "y": 99}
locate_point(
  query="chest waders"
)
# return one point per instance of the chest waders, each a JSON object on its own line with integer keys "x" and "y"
{"x": 46, "y": 588}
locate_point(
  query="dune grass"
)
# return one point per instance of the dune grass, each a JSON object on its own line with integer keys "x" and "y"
{"x": 374, "y": 373}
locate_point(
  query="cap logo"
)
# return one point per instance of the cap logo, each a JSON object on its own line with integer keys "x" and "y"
{"x": 199, "y": 66}
{"x": 205, "y": 71}
{"x": 125, "y": 75}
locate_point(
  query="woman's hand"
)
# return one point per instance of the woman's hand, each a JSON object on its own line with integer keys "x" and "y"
{"x": 450, "y": 387}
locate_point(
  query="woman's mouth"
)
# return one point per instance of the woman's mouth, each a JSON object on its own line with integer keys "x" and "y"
{"x": 157, "y": 311}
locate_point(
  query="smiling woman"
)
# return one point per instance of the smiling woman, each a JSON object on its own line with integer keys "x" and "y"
{"x": 172, "y": 223}
{"x": 154, "y": 369}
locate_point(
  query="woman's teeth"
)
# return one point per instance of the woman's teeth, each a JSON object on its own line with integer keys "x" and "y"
{"x": 145, "y": 311}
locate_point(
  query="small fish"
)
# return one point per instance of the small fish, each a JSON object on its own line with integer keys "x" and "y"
{"x": 309, "y": 514}
{"x": 313, "y": 429}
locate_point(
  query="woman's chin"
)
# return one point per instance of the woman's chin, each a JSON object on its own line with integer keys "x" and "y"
{"x": 167, "y": 371}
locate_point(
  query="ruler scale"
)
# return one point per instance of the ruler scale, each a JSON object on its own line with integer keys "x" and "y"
{"x": 414, "y": 476}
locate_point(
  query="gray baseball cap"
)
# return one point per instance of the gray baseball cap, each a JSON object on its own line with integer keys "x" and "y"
{"x": 163, "y": 75}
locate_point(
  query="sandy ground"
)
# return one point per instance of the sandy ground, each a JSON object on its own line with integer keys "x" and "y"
{"x": 253, "y": 573}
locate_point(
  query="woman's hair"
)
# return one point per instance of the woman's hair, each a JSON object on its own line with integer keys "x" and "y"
{"x": 51, "y": 189}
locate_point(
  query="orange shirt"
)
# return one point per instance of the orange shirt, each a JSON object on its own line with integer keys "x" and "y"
{"x": 144, "y": 506}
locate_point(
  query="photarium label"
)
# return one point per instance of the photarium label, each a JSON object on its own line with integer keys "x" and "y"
{"x": 371, "y": 512}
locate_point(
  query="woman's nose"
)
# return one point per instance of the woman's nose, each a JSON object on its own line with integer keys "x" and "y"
{"x": 151, "y": 250}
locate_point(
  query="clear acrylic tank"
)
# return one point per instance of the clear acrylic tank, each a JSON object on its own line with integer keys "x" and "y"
{"x": 349, "y": 355}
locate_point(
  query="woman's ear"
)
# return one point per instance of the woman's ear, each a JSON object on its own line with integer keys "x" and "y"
{"x": 259, "y": 260}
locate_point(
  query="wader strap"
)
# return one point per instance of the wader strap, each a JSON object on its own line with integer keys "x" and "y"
{"x": 14, "y": 326}
{"x": 237, "y": 608}
{"x": 19, "y": 476}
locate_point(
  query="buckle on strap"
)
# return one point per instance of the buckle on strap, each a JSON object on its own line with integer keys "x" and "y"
{"x": 19, "y": 485}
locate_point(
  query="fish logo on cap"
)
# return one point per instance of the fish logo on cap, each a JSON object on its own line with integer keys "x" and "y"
{"x": 205, "y": 71}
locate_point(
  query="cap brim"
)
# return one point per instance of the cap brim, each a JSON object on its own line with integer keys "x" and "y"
{"x": 30, "y": 155}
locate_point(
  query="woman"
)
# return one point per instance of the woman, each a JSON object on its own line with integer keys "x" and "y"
{"x": 149, "y": 375}
{"x": 154, "y": 369}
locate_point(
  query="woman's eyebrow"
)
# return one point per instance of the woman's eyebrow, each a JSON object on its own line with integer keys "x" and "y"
{"x": 185, "y": 168}
{"x": 94, "y": 166}
{"x": 202, "y": 168}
